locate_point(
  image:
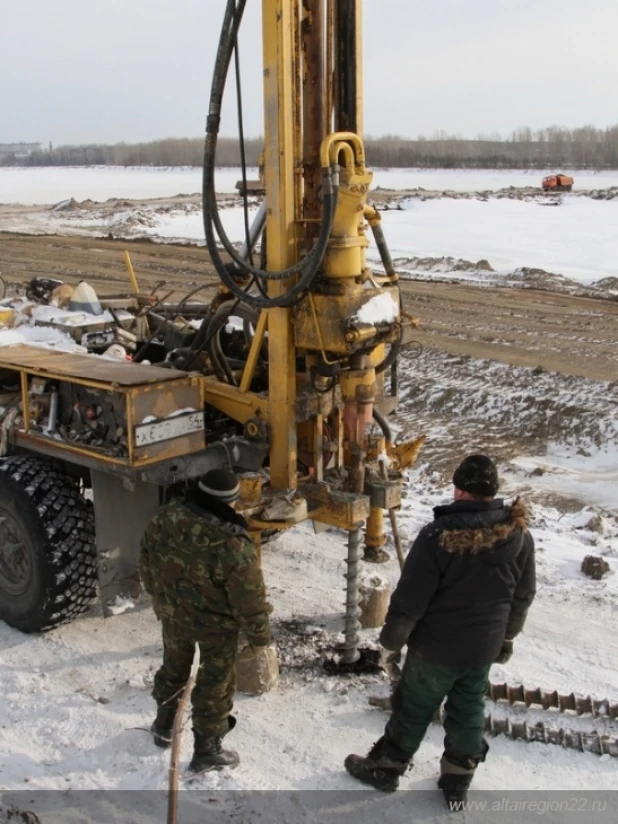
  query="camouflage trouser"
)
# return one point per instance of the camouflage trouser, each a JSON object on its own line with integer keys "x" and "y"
{"x": 420, "y": 693}
{"x": 212, "y": 696}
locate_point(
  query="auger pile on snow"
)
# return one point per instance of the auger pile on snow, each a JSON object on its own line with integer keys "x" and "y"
{"x": 548, "y": 700}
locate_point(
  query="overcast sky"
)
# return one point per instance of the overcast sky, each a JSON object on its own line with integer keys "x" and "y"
{"x": 77, "y": 71}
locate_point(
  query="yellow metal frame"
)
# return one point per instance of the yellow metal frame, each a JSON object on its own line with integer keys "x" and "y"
{"x": 134, "y": 460}
{"x": 281, "y": 159}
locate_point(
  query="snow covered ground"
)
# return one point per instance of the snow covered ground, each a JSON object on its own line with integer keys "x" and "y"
{"x": 76, "y": 701}
{"x": 570, "y": 240}
{"x": 577, "y": 239}
{"x": 47, "y": 185}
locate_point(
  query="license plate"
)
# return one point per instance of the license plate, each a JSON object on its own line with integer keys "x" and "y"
{"x": 176, "y": 427}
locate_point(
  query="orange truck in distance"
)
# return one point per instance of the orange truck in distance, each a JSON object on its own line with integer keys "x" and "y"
{"x": 557, "y": 183}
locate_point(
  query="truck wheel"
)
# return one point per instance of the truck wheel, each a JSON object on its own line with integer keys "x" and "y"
{"x": 47, "y": 546}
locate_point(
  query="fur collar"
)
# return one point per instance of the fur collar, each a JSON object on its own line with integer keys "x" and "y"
{"x": 473, "y": 541}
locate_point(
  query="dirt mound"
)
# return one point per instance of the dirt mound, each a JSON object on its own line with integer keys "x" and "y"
{"x": 69, "y": 205}
{"x": 442, "y": 264}
{"x": 394, "y": 199}
{"x": 609, "y": 285}
{"x": 511, "y": 409}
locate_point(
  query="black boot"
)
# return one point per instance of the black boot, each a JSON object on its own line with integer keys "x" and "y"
{"x": 382, "y": 766}
{"x": 163, "y": 725}
{"x": 208, "y": 754}
{"x": 455, "y": 788}
{"x": 457, "y": 772}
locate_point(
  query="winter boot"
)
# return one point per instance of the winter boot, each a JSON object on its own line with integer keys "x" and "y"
{"x": 457, "y": 772}
{"x": 163, "y": 725}
{"x": 208, "y": 754}
{"x": 381, "y": 768}
{"x": 455, "y": 789}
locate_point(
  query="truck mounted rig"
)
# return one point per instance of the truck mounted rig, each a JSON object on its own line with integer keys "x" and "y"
{"x": 296, "y": 400}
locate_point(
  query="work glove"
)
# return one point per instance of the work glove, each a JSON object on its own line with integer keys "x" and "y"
{"x": 389, "y": 661}
{"x": 506, "y": 652}
{"x": 395, "y": 632}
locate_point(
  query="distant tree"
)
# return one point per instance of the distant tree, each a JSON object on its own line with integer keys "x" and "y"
{"x": 550, "y": 147}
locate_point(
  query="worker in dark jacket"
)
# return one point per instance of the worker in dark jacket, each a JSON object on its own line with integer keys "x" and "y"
{"x": 463, "y": 596}
{"x": 200, "y": 566}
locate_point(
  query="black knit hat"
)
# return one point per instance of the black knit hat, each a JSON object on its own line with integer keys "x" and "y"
{"x": 222, "y": 484}
{"x": 477, "y": 474}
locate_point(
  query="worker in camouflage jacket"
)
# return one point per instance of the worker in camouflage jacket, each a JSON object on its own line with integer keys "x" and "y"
{"x": 463, "y": 596}
{"x": 200, "y": 567}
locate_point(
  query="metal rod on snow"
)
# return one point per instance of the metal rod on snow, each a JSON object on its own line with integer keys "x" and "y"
{"x": 393, "y": 518}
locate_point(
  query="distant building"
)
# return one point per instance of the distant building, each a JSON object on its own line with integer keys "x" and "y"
{"x": 18, "y": 150}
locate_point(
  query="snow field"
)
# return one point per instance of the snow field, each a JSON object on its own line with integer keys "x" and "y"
{"x": 75, "y": 698}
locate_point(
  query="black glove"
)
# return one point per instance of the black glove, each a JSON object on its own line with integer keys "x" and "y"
{"x": 395, "y": 633}
{"x": 506, "y": 652}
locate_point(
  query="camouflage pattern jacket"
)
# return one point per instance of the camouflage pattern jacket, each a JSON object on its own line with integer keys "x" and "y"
{"x": 200, "y": 567}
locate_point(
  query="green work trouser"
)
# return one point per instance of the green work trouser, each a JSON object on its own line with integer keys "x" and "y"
{"x": 419, "y": 694}
{"x": 213, "y": 694}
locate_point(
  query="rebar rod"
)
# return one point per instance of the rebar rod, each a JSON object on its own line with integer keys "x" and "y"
{"x": 352, "y": 611}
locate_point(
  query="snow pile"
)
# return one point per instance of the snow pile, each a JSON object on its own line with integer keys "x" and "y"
{"x": 380, "y": 309}
{"x": 42, "y": 336}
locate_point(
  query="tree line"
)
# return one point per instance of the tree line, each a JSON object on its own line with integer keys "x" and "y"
{"x": 582, "y": 148}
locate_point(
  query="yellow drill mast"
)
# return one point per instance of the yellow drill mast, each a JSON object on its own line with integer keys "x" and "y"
{"x": 327, "y": 317}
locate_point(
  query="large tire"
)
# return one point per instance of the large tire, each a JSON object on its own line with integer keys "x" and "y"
{"x": 47, "y": 546}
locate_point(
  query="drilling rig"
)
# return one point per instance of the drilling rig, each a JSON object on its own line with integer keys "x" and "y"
{"x": 322, "y": 319}
{"x": 295, "y": 398}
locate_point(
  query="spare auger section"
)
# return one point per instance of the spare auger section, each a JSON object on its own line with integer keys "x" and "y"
{"x": 312, "y": 381}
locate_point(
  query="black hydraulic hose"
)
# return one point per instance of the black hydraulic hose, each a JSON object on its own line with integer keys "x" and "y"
{"x": 385, "y": 254}
{"x": 383, "y": 424}
{"x": 390, "y": 358}
{"x": 216, "y": 353}
{"x": 221, "y": 365}
{"x": 309, "y": 266}
{"x": 311, "y": 261}
{"x": 241, "y": 143}
{"x": 217, "y": 366}
{"x": 396, "y": 347}
{"x": 295, "y": 292}
{"x": 395, "y": 377}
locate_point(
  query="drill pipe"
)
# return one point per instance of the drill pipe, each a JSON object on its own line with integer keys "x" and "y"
{"x": 583, "y": 741}
{"x": 591, "y": 741}
{"x": 598, "y": 708}
{"x": 352, "y": 610}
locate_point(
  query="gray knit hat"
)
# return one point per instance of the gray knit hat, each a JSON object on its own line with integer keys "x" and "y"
{"x": 477, "y": 474}
{"x": 222, "y": 484}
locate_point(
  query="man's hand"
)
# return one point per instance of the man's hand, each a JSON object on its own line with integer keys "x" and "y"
{"x": 506, "y": 652}
{"x": 389, "y": 661}
{"x": 396, "y": 631}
